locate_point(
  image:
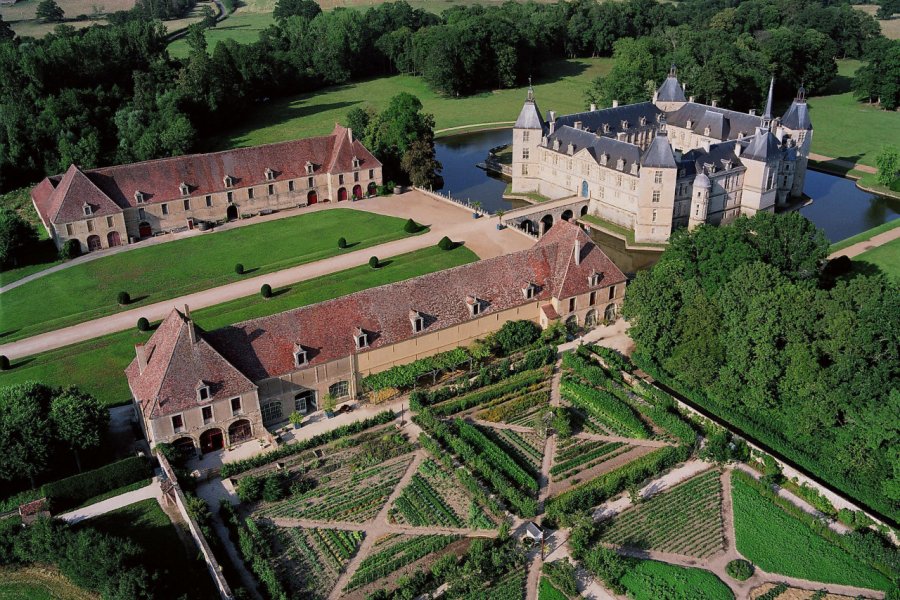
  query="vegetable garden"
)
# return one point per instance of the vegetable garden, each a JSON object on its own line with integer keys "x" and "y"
{"x": 433, "y": 497}
{"x": 575, "y": 455}
{"x": 393, "y": 553}
{"x": 314, "y": 558}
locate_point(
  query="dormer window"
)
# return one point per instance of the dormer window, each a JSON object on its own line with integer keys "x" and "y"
{"x": 727, "y": 164}
{"x": 139, "y": 197}
{"x": 203, "y": 391}
{"x": 634, "y": 168}
{"x": 355, "y": 163}
{"x": 417, "y": 321}
{"x": 606, "y": 128}
{"x": 620, "y": 164}
{"x": 362, "y": 339}
{"x": 309, "y": 168}
{"x": 556, "y": 144}
{"x": 474, "y": 304}
{"x": 594, "y": 279}
{"x": 570, "y": 149}
{"x": 643, "y": 121}
{"x": 270, "y": 175}
{"x": 604, "y": 158}
{"x": 690, "y": 124}
{"x": 624, "y": 124}
{"x": 300, "y": 357}
{"x": 706, "y": 130}
{"x": 529, "y": 291}
{"x": 228, "y": 180}
{"x": 88, "y": 210}
{"x": 184, "y": 189}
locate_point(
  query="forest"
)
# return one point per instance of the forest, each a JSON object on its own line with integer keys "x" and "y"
{"x": 751, "y": 322}
{"x": 112, "y": 94}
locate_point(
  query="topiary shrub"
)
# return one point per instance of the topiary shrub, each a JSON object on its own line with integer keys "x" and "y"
{"x": 373, "y": 262}
{"x": 4, "y": 362}
{"x": 143, "y": 324}
{"x": 265, "y": 291}
{"x": 411, "y": 226}
{"x": 123, "y": 298}
{"x": 445, "y": 243}
{"x": 239, "y": 269}
{"x": 739, "y": 569}
{"x": 342, "y": 243}
{"x": 70, "y": 249}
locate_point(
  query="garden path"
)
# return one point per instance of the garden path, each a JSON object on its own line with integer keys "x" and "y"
{"x": 844, "y": 164}
{"x": 873, "y": 242}
{"x": 151, "y": 490}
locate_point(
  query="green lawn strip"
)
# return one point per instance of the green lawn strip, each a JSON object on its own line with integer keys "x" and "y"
{"x": 315, "y": 113}
{"x": 628, "y": 234}
{"x": 113, "y": 493}
{"x": 777, "y": 542}
{"x": 145, "y": 523}
{"x": 547, "y": 592}
{"x": 886, "y": 256}
{"x": 865, "y": 235}
{"x": 172, "y": 269}
{"x": 653, "y": 580}
{"x": 846, "y": 128}
{"x": 869, "y": 182}
{"x": 96, "y": 366}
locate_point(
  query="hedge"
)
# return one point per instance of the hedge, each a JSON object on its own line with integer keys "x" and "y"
{"x": 405, "y": 376}
{"x": 74, "y": 490}
{"x": 235, "y": 468}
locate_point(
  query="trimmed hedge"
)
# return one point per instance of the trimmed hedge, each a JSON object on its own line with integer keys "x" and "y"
{"x": 123, "y": 298}
{"x": 74, "y": 490}
{"x": 265, "y": 291}
{"x": 342, "y": 243}
{"x": 373, "y": 262}
{"x": 235, "y": 468}
{"x": 411, "y": 226}
{"x": 239, "y": 269}
{"x": 446, "y": 243}
{"x": 143, "y": 324}
{"x": 4, "y": 362}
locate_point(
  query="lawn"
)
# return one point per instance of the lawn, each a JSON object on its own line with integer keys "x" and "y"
{"x": 886, "y": 256}
{"x": 561, "y": 89}
{"x": 547, "y": 592}
{"x": 242, "y": 26}
{"x": 889, "y": 28}
{"x": 652, "y": 580}
{"x": 145, "y": 523}
{"x": 779, "y": 543}
{"x": 865, "y": 235}
{"x": 155, "y": 273}
{"x": 846, "y": 128}
{"x": 38, "y": 583}
{"x": 96, "y": 365}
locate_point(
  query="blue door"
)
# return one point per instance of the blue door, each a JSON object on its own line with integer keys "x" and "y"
{"x": 584, "y": 189}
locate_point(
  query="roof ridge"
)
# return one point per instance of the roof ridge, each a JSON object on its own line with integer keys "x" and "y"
{"x": 169, "y": 361}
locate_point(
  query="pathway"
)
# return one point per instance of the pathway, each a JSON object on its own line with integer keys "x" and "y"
{"x": 873, "y": 242}
{"x": 110, "y": 504}
{"x": 444, "y": 219}
{"x": 844, "y": 164}
{"x": 495, "y": 124}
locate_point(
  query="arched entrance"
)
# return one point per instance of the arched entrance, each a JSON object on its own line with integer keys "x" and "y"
{"x": 610, "y": 313}
{"x": 231, "y": 212}
{"x": 93, "y": 243}
{"x": 211, "y": 440}
{"x": 357, "y": 192}
{"x": 144, "y": 229}
{"x": 590, "y": 319}
{"x": 372, "y": 189}
{"x": 584, "y": 210}
{"x": 572, "y": 323}
{"x": 305, "y": 401}
{"x": 185, "y": 447}
{"x": 567, "y": 215}
{"x": 584, "y": 189}
{"x": 527, "y": 226}
{"x": 342, "y": 194}
{"x": 312, "y": 197}
{"x": 546, "y": 223}
{"x": 239, "y": 431}
{"x": 112, "y": 239}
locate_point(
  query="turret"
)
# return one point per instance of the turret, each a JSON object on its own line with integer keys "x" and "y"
{"x": 766, "y": 119}
{"x": 699, "y": 200}
{"x": 670, "y": 95}
{"x": 798, "y": 126}
{"x": 527, "y": 134}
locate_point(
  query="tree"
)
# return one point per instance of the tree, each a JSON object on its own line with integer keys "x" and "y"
{"x": 392, "y": 132}
{"x": 887, "y": 9}
{"x": 879, "y": 79}
{"x": 49, "y": 11}
{"x": 420, "y": 164}
{"x": 17, "y": 236}
{"x": 308, "y": 9}
{"x": 6, "y": 32}
{"x": 24, "y": 432}
{"x": 358, "y": 120}
{"x": 888, "y": 163}
{"x": 514, "y": 335}
{"x": 209, "y": 17}
{"x": 79, "y": 420}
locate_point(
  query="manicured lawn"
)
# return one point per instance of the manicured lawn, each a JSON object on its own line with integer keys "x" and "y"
{"x": 547, "y": 592}
{"x": 886, "y": 256}
{"x": 561, "y": 89}
{"x": 865, "y": 235}
{"x": 172, "y": 269}
{"x": 145, "y": 523}
{"x": 652, "y": 580}
{"x": 779, "y": 543}
{"x": 38, "y": 583}
{"x": 848, "y": 129}
{"x": 97, "y": 365}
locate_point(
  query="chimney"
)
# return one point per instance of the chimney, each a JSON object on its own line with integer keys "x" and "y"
{"x": 752, "y": 112}
{"x": 615, "y": 103}
{"x": 578, "y": 125}
{"x": 738, "y": 149}
{"x": 192, "y": 332}
{"x": 593, "y": 107}
{"x": 714, "y": 103}
{"x": 141, "y": 351}
{"x": 577, "y": 251}
{"x": 706, "y": 145}
{"x": 552, "y": 127}
{"x": 691, "y": 99}
{"x": 655, "y": 97}
{"x": 683, "y": 87}
{"x": 552, "y": 115}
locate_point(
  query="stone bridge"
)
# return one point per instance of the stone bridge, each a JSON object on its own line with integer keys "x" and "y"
{"x": 536, "y": 219}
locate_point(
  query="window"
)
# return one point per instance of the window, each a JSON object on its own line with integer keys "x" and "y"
{"x": 87, "y": 209}
{"x": 141, "y": 214}
{"x": 655, "y": 195}
{"x": 290, "y": 186}
{"x": 371, "y": 173}
{"x": 593, "y": 298}
{"x": 341, "y": 179}
{"x": 165, "y": 209}
{"x": 571, "y": 304}
{"x": 236, "y": 406}
{"x": 271, "y": 411}
{"x": 271, "y": 189}
{"x": 305, "y": 401}
{"x": 208, "y": 201}
{"x": 270, "y": 175}
{"x": 418, "y": 324}
{"x": 300, "y": 357}
{"x": 619, "y": 180}
{"x": 309, "y": 168}
{"x": 187, "y": 204}
{"x": 139, "y": 197}
{"x": 310, "y": 183}
{"x": 569, "y": 165}
{"x": 525, "y": 154}
{"x": 341, "y": 389}
{"x": 90, "y": 224}
{"x": 250, "y": 193}
{"x": 230, "y": 196}
{"x": 524, "y": 169}
{"x": 355, "y": 163}
{"x": 203, "y": 393}
{"x": 594, "y": 279}
{"x": 528, "y": 291}
{"x": 362, "y": 339}
{"x": 612, "y": 292}
{"x": 184, "y": 189}
{"x": 653, "y": 218}
{"x": 355, "y": 175}
{"x": 228, "y": 181}
{"x": 525, "y": 136}
{"x": 109, "y": 221}
{"x": 632, "y": 184}
{"x": 300, "y": 404}
{"x": 69, "y": 231}
{"x": 178, "y": 423}
{"x": 207, "y": 414}
{"x": 657, "y": 177}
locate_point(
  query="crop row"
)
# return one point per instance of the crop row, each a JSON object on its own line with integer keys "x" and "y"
{"x": 586, "y": 368}
{"x": 586, "y": 457}
{"x": 420, "y": 505}
{"x": 535, "y": 455}
{"x": 398, "y": 555}
{"x": 574, "y": 446}
{"x": 509, "y": 587}
{"x": 496, "y": 455}
{"x": 603, "y": 405}
{"x": 515, "y": 408}
{"x": 516, "y": 383}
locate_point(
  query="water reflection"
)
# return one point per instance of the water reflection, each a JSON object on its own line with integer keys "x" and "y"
{"x": 841, "y": 209}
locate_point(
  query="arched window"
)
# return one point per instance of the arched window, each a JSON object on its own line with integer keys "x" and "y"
{"x": 584, "y": 189}
{"x": 341, "y": 389}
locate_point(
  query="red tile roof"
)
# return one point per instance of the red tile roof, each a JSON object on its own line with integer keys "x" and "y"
{"x": 62, "y": 199}
{"x": 159, "y": 180}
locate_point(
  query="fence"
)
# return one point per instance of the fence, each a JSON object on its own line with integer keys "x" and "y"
{"x": 466, "y": 204}
{"x": 215, "y": 570}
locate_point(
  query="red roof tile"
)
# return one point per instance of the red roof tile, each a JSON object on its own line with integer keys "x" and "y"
{"x": 570, "y": 278}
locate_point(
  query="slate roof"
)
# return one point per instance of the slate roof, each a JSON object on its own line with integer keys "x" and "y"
{"x": 596, "y": 146}
{"x": 659, "y": 154}
{"x": 724, "y": 124}
{"x": 632, "y": 113}
{"x": 763, "y": 146}
{"x": 797, "y": 116}
{"x": 693, "y": 162}
{"x": 530, "y": 117}
{"x": 670, "y": 91}
{"x": 176, "y": 365}
{"x": 159, "y": 180}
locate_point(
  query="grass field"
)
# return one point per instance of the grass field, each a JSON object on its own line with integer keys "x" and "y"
{"x": 145, "y": 523}
{"x": 652, "y": 580}
{"x": 778, "y": 543}
{"x": 865, "y": 235}
{"x": 96, "y": 365}
{"x": 38, "y": 583}
{"x": 78, "y": 14}
{"x": 890, "y": 28}
{"x": 88, "y": 291}
{"x": 548, "y": 592}
{"x": 846, "y": 128}
{"x": 317, "y": 112}
{"x": 886, "y": 256}
{"x": 242, "y": 27}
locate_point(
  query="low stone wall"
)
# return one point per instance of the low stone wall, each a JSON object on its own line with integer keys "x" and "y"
{"x": 465, "y": 204}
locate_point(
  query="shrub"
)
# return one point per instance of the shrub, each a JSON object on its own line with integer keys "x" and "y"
{"x": 74, "y": 490}
{"x": 123, "y": 298}
{"x": 143, "y": 324}
{"x": 739, "y": 569}
{"x": 515, "y": 335}
{"x": 446, "y": 243}
{"x": 70, "y": 249}
{"x": 342, "y": 243}
{"x": 411, "y": 226}
{"x": 4, "y": 362}
{"x": 274, "y": 487}
{"x": 373, "y": 262}
{"x": 265, "y": 291}
{"x": 250, "y": 489}
{"x": 239, "y": 269}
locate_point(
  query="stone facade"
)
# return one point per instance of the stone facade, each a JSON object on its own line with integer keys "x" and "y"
{"x": 644, "y": 166}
